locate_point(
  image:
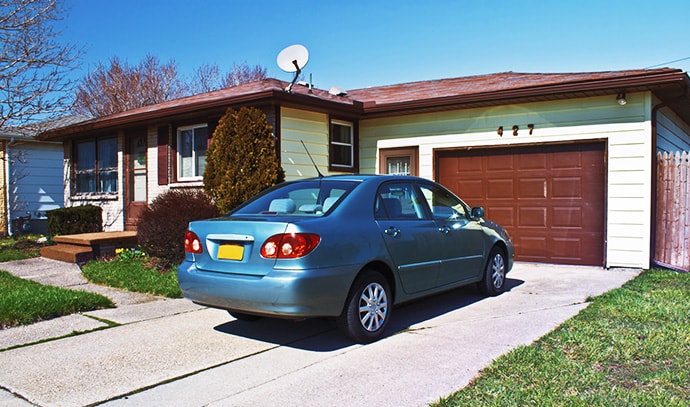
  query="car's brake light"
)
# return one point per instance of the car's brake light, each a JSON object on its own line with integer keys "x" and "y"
{"x": 192, "y": 243}
{"x": 289, "y": 245}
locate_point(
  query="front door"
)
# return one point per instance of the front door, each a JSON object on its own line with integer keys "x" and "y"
{"x": 135, "y": 176}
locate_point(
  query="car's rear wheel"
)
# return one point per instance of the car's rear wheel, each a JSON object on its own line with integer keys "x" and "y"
{"x": 368, "y": 308}
{"x": 494, "y": 280}
{"x": 243, "y": 317}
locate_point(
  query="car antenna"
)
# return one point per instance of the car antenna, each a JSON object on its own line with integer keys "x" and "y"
{"x": 312, "y": 160}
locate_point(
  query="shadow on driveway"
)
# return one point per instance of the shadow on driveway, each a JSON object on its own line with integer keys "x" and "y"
{"x": 322, "y": 335}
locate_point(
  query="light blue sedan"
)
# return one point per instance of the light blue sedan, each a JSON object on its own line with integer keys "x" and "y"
{"x": 349, "y": 247}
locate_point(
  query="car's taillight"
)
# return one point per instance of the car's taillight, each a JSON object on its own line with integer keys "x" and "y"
{"x": 192, "y": 243}
{"x": 289, "y": 245}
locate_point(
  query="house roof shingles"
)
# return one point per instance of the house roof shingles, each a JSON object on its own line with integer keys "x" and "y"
{"x": 413, "y": 96}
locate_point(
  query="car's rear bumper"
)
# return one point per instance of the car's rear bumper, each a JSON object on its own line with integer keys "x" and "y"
{"x": 283, "y": 293}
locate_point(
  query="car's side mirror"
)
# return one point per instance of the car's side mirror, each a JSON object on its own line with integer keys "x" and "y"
{"x": 477, "y": 213}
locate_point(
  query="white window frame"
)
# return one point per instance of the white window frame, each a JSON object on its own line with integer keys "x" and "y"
{"x": 180, "y": 130}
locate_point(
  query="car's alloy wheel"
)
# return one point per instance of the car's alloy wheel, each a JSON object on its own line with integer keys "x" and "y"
{"x": 493, "y": 282}
{"x": 368, "y": 308}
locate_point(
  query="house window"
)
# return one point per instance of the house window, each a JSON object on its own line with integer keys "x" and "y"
{"x": 401, "y": 161}
{"x": 192, "y": 142}
{"x": 96, "y": 166}
{"x": 342, "y": 145}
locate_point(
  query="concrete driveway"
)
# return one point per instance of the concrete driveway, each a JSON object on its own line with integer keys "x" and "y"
{"x": 174, "y": 353}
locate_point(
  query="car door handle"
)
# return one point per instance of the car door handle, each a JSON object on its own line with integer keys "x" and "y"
{"x": 392, "y": 231}
{"x": 444, "y": 229}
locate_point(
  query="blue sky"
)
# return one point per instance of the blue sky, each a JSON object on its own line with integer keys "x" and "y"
{"x": 356, "y": 44}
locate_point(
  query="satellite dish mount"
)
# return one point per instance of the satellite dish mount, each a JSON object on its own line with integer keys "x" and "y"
{"x": 293, "y": 59}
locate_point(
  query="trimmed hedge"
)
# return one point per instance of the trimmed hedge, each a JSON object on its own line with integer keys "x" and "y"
{"x": 74, "y": 220}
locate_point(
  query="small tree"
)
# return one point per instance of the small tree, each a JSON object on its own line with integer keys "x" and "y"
{"x": 241, "y": 160}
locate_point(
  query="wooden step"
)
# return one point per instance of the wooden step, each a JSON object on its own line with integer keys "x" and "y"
{"x": 83, "y": 247}
{"x": 67, "y": 252}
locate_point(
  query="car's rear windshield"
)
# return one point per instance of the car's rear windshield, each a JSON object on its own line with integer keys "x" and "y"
{"x": 303, "y": 198}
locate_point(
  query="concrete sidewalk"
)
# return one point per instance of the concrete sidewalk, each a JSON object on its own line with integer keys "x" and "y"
{"x": 171, "y": 352}
{"x": 131, "y": 307}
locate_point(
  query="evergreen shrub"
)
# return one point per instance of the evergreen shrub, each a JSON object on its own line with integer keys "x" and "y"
{"x": 162, "y": 225}
{"x": 241, "y": 160}
{"x": 75, "y": 220}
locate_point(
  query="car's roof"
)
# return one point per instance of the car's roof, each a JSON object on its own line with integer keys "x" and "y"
{"x": 361, "y": 177}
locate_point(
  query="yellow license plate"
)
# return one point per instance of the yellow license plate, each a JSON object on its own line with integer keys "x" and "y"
{"x": 231, "y": 252}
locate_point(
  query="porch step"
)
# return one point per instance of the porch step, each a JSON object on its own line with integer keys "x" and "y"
{"x": 68, "y": 252}
{"x": 83, "y": 247}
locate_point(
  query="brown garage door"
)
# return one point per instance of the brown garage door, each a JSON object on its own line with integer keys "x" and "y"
{"x": 549, "y": 198}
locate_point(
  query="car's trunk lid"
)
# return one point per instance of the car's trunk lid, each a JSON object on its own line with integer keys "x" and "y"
{"x": 233, "y": 245}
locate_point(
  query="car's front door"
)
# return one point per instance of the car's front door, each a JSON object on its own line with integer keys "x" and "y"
{"x": 412, "y": 238}
{"x": 463, "y": 239}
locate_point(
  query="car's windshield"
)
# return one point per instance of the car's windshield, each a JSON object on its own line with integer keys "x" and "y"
{"x": 304, "y": 198}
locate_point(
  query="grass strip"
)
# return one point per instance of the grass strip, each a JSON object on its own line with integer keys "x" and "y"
{"x": 133, "y": 275}
{"x": 24, "y": 301}
{"x": 630, "y": 347}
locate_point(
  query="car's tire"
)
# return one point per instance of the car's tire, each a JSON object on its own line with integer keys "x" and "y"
{"x": 368, "y": 308}
{"x": 494, "y": 280}
{"x": 241, "y": 316}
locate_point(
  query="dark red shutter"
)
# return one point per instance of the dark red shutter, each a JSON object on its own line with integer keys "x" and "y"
{"x": 163, "y": 139}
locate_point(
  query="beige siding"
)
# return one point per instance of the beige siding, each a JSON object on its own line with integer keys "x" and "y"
{"x": 297, "y": 126}
{"x": 626, "y": 129}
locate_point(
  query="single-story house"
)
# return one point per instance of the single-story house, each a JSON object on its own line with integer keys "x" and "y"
{"x": 32, "y": 177}
{"x": 566, "y": 162}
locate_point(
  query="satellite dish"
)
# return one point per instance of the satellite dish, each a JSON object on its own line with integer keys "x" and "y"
{"x": 293, "y": 59}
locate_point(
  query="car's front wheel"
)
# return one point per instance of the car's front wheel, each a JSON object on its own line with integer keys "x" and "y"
{"x": 494, "y": 280}
{"x": 368, "y": 308}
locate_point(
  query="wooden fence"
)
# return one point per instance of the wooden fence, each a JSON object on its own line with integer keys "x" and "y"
{"x": 672, "y": 244}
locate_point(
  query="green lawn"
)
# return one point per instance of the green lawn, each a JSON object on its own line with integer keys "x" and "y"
{"x": 630, "y": 347}
{"x": 24, "y": 301}
{"x": 133, "y": 274}
{"x": 20, "y": 248}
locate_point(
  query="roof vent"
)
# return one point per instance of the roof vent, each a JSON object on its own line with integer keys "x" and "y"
{"x": 336, "y": 91}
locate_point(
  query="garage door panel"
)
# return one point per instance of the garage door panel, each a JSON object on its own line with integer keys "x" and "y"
{"x": 500, "y": 188}
{"x": 532, "y": 217}
{"x": 567, "y": 217}
{"x": 536, "y": 161}
{"x": 531, "y": 188}
{"x": 505, "y": 162}
{"x": 563, "y": 161}
{"x": 504, "y": 216}
{"x": 566, "y": 247}
{"x": 550, "y": 198}
{"x": 566, "y": 187}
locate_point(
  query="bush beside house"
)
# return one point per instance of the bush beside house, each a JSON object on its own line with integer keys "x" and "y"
{"x": 162, "y": 225}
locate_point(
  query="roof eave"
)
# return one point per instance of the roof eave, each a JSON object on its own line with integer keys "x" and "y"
{"x": 271, "y": 96}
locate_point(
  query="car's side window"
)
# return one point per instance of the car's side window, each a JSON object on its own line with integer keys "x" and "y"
{"x": 443, "y": 205}
{"x": 398, "y": 200}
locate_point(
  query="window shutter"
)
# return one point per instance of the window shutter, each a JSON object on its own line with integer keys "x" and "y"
{"x": 163, "y": 138}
